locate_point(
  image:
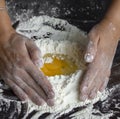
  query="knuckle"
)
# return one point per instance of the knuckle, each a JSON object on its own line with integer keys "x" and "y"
{"x": 14, "y": 72}
{"x": 35, "y": 51}
{"x": 25, "y": 87}
{"x": 17, "y": 39}
{"x": 9, "y": 67}
{"x": 29, "y": 90}
{"x": 14, "y": 87}
{"x": 23, "y": 62}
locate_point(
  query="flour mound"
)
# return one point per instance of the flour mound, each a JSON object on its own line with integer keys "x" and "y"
{"x": 57, "y": 36}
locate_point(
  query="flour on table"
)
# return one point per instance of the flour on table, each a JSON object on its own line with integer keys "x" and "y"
{"x": 56, "y": 36}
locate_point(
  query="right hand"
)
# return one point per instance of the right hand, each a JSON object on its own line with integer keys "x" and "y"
{"x": 18, "y": 59}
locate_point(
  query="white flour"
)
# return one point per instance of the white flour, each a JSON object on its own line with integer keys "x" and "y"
{"x": 59, "y": 37}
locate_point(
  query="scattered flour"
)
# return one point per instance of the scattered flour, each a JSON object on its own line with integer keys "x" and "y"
{"x": 59, "y": 37}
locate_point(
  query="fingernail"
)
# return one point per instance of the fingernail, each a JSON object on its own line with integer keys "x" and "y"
{"x": 84, "y": 89}
{"x": 39, "y": 63}
{"x": 93, "y": 93}
{"x": 40, "y": 102}
{"x": 88, "y": 57}
{"x": 51, "y": 95}
{"x": 50, "y": 102}
{"x": 84, "y": 97}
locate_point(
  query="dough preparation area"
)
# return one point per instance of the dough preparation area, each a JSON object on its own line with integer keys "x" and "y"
{"x": 62, "y": 44}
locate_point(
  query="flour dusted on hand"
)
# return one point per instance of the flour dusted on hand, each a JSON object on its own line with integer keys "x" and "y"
{"x": 55, "y": 36}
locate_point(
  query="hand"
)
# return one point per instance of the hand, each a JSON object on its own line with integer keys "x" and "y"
{"x": 19, "y": 58}
{"x": 103, "y": 40}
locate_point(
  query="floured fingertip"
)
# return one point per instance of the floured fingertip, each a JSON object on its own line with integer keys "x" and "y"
{"x": 50, "y": 102}
{"x": 51, "y": 95}
{"x": 88, "y": 57}
{"x": 39, "y": 63}
{"x": 83, "y": 97}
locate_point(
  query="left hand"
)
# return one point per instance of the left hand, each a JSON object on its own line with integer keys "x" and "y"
{"x": 103, "y": 40}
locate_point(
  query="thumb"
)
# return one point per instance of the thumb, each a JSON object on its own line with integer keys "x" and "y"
{"x": 34, "y": 53}
{"x": 92, "y": 46}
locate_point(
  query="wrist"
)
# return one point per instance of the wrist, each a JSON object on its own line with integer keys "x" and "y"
{"x": 6, "y": 29}
{"x": 113, "y": 16}
{"x": 115, "y": 22}
{"x": 5, "y": 22}
{"x": 111, "y": 27}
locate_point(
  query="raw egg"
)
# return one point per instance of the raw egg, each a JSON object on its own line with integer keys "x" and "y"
{"x": 59, "y": 65}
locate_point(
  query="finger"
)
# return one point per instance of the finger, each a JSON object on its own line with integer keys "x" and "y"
{"x": 29, "y": 91}
{"x": 98, "y": 81}
{"x": 95, "y": 88}
{"x": 104, "y": 84}
{"x": 92, "y": 46}
{"x": 88, "y": 81}
{"x": 35, "y": 53}
{"x": 17, "y": 90}
{"x": 29, "y": 81}
{"x": 41, "y": 80}
{"x": 93, "y": 92}
{"x": 90, "y": 75}
{"x": 93, "y": 71}
{"x": 89, "y": 89}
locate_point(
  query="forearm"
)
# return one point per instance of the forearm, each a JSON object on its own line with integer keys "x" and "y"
{"x": 5, "y": 22}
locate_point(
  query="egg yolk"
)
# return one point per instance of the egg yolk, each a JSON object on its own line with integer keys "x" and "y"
{"x": 59, "y": 66}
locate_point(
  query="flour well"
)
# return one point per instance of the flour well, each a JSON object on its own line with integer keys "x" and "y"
{"x": 57, "y": 36}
